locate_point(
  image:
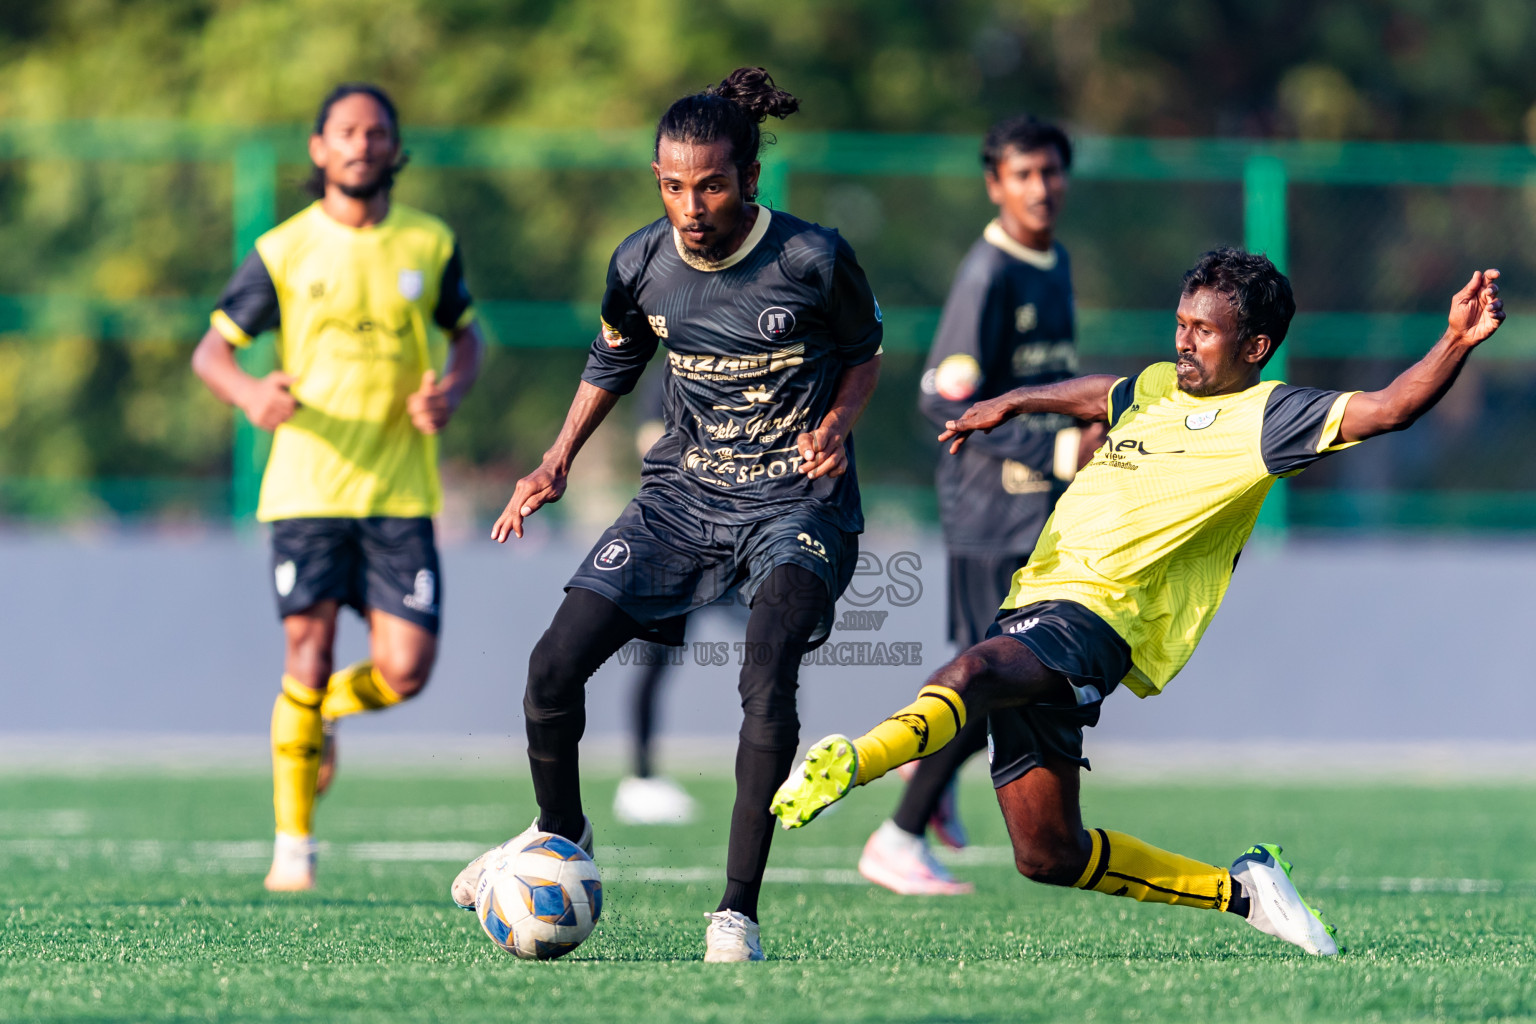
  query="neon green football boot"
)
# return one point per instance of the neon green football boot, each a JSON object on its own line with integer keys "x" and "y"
{"x": 821, "y": 780}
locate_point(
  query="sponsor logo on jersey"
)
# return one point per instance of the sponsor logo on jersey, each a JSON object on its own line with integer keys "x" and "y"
{"x": 1200, "y": 420}
{"x": 1025, "y": 318}
{"x": 775, "y": 323}
{"x": 779, "y": 359}
{"x": 423, "y": 598}
{"x": 957, "y": 377}
{"x": 1118, "y": 454}
{"x": 412, "y": 283}
{"x": 1021, "y": 479}
{"x": 316, "y": 289}
{"x": 286, "y": 575}
{"x": 1031, "y": 358}
{"x": 611, "y": 336}
{"x": 611, "y": 556}
{"x": 658, "y": 324}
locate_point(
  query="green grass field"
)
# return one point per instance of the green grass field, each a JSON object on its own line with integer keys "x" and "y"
{"x": 138, "y": 897}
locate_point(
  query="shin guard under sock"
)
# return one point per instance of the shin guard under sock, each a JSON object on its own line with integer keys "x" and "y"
{"x": 296, "y": 741}
{"x": 918, "y": 729}
{"x": 1122, "y": 865}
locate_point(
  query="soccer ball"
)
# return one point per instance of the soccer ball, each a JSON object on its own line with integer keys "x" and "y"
{"x": 540, "y": 897}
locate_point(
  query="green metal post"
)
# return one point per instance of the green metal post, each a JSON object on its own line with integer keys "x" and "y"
{"x": 255, "y": 211}
{"x": 1264, "y": 230}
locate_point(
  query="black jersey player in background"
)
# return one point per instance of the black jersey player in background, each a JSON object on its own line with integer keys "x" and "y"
{"x": 1008, "y": 322}
{"x": 772, "y": 338}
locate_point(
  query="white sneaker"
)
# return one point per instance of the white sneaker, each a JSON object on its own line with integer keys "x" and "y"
{"x": 462, "y": 890}
{"x": 653, "y": 801}
{"x": 293, "y": 864}
{"x": 732, "y": 937}
{"x": 903, "y": 864}
{"x": 1274, "y": 905}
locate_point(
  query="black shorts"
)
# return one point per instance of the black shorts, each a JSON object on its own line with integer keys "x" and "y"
{"x": 379, "y": 562}
{"x": 661, "y": 560}
{"x": 1072, "y": 640}
{"x": 977, "y": 586}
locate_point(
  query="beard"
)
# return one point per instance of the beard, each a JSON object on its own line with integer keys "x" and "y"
{"x": 1200, "y": 387}
{"x": 713, "y": 253}
{"x": 369, "y": 189}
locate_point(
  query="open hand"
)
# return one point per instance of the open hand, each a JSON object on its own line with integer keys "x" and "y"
{"x": 269, "y": 403}
{"x": 430, "y": 406}
{"x": 982, "y": 416}
{"x": 533, "y": 491}
{"x": 822, "y": 453}
{"x": 1477, "y": 310}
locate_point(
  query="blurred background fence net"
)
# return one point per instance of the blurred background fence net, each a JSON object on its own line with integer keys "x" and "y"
{"x": 116, "y": 237}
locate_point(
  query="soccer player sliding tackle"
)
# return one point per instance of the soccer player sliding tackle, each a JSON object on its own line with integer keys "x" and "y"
{"x": 1128, "y": 574}
{"x": 773, "y": 340}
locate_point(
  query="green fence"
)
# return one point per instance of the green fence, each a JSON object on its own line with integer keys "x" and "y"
{"x": 1267, "y": 174}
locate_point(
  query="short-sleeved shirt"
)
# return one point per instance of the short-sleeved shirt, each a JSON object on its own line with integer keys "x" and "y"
{"x": 755, "y": 346}
{"x": 1008, "y": 322}
{"x": 1147, "y": 535}
{"x": 360, "y": 316}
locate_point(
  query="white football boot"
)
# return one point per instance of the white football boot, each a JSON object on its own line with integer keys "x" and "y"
{"x": 462, "y": 891}
{"x": 653, "y": 801}
{"x": 293, "y": 864}
{"x": 732, "y": 937}
{"x": 1274, "y": 905}
{"x": 902, "y": 863}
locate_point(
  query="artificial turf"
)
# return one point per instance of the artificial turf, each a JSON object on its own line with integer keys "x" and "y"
{"x": 138, "y": 897}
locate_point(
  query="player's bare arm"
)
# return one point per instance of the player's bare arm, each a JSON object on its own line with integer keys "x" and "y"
{"x": 547, "y": 483}
{"x": 1476, "y": 312}
{"x": 266, "y": 401}
{"x": 1086, "y": 398}
{"x": 434, "y": 403}
{"x": 822, "y": 449}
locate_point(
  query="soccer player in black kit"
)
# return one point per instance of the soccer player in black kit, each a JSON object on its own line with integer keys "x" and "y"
{"x": 1008, "y": 322}
{"x": 773, "y": 342}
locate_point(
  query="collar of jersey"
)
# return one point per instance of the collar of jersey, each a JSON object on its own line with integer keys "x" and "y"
{"x": 347, "y": 229}
{"x": 754, "y": 236}
{"x": 995, "y": 234}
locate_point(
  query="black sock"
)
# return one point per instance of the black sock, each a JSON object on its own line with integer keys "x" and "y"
{"x": 926, "y": 788}
{"x": 1238, "y": 903}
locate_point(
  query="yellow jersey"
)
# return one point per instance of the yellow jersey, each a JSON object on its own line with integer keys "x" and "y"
{"x": 360, "y": 316}
{"x": 1147, "y": 535}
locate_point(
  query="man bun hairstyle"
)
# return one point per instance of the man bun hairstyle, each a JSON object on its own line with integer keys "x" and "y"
{"x": 1025, "y": 133}
{"x": 731, "y": 110}
{"x": 315, "y": 185}
{"x": 1259, "y": 293}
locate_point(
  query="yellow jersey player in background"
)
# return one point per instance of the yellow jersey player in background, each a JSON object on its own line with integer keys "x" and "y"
{"x": 376, "y": 347}
{"x": 1127, "y": 575}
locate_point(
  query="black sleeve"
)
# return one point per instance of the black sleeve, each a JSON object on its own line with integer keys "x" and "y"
{"x": 1121, "y": 397}
{"x": 453, "y": 295}
{"x": 852, "y": 310}
{"x": 1291, "y": 438}
{"x": 977, "y": 321}
{"x": 624, "y": 344}
{"x": 250, "y": 299}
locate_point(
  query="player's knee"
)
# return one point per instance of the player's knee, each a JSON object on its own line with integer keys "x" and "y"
{"x": 1050, "y": 862}
{"x": 551, "y": 684}
{"x": 407, "y": 677}
{"x": 309, "y": 661}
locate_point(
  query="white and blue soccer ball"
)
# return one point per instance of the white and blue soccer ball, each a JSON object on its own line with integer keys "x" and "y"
{"x": 540, "y": 897}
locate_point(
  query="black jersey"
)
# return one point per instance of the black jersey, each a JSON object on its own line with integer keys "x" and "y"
{"x": 1008, "y": 322}
{"x": 755, "y": 345}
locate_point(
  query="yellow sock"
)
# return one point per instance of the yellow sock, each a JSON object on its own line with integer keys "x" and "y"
{"x": 1122, "y": 865}
{"x": 917, "y": 730}
{"x": 295, "y": 757}
{"x": 357, "y": 688}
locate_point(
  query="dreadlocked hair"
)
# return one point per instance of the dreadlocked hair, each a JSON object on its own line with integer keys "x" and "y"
{"x": 315, "y": 183}
{"x": 731, "y": 110}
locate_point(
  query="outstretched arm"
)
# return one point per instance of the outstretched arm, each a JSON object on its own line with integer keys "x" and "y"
{"x": 547, "y": 483}
{"x": 1476, "y": 312}
{"x": 1086, "y": 398}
